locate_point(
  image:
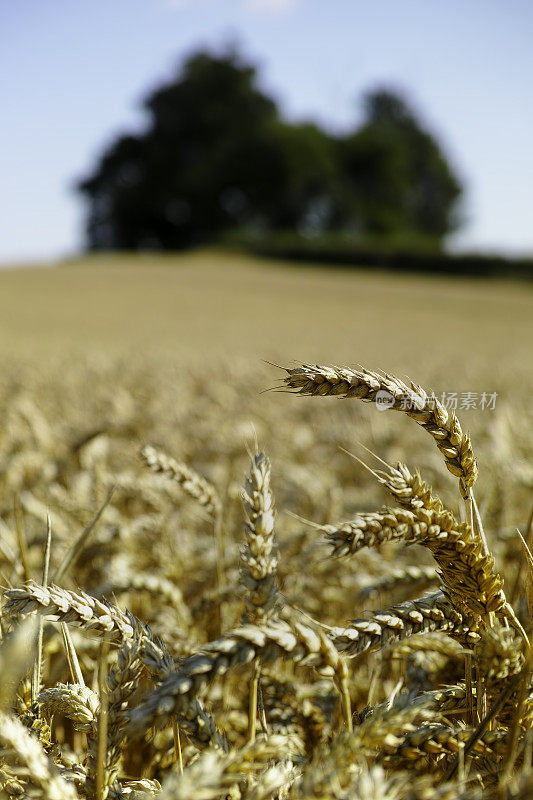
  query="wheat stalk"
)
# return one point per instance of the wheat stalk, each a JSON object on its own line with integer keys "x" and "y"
{"x": 106, "y": 620}
{"x": 433, "y": 739}
{"x": 154, "y": 584}
{"x": 407, "y": 577}
{"x": 432, "y": 612}
{"x": 78, "y": 609}
{"x": 408, "y": 489}
{"x": 465, "y": 569}
{"x": 269, "y": 642}
{"x": 122, "y": 681}
{"x": 139, "y": 790}
{"x": 78, "y": 703}
{"x": 260, "y": 564}
{"x": 425, "y": 409}
{"x": 192, "y": 484}
{"x": 498, "y": 654}
{"x": 17, "y": 743}
{"x": 200, "y": 490}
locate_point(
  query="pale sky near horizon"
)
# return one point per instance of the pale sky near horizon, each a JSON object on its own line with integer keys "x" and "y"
{"x": 74, "y": 74}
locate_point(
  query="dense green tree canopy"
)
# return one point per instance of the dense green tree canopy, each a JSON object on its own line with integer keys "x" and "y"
{"x": 218, "y": 156}
{"x": 400, "y": 180}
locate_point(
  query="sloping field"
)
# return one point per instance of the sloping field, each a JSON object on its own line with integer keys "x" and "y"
{"x": 207, "y": 305}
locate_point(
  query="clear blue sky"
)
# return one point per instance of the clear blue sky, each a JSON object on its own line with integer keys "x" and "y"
{"x": 74, "y": 71}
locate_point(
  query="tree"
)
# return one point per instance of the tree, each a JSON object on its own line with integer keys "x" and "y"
{"x": 217, "y": 156}
{"x": 398, "y": 178}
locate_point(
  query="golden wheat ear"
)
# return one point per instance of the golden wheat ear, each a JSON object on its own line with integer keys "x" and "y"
{"x": 423, "y": 408}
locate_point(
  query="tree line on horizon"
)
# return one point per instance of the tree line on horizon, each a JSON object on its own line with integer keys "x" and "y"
{"x": 219, "y": 157}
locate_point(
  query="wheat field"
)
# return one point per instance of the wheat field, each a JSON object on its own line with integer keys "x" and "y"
{"x": 212, "y": 590}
